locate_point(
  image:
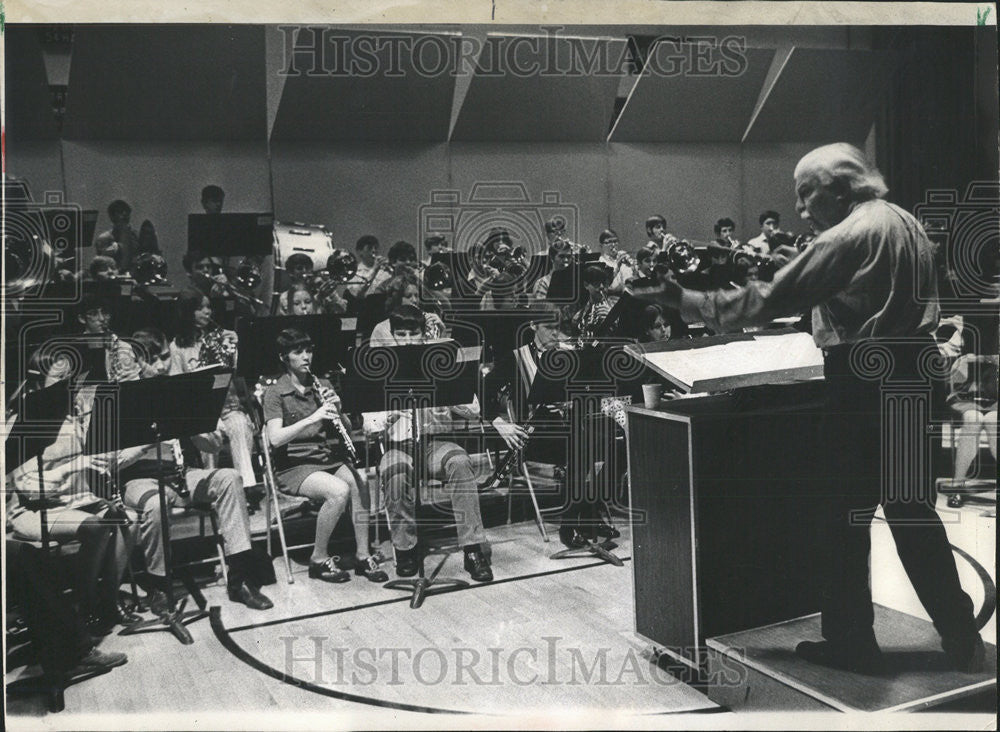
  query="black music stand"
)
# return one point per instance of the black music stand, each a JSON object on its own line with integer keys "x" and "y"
{"x": 232, "y": 234}
{"x": 257, "y": 337}
{"x": 551, "y": 385}
{"x": 149, "y": 412}
{"x": 410, "y": 387}
{"x": 40, "y": 418}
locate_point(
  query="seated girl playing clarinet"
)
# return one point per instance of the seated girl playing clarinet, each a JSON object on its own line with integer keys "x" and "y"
{"x": 302, "y": 413}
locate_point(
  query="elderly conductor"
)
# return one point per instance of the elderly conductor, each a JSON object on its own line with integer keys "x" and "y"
{"x": 869, "y": 279}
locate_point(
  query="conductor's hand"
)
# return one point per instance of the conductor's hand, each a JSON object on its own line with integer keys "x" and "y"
{"x": 784, "y": 254}
{"x": 667, "y": 292}
{"x": 512, "y": 434}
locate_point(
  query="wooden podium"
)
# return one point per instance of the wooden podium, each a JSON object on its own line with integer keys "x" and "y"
{"x": 724, "y": 519}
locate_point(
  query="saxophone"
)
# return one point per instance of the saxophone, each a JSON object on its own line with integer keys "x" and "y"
{"x": 327, "y": 396}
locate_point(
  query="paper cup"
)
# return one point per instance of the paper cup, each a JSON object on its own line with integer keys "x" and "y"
{"x": 651, "y": 395}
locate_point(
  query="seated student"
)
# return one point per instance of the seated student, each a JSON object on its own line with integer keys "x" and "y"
{"x": 596, "y": 279}
{"x": 974, "y": 398}
{"x": 644, "y": 260}
{"x": 445, "y": 461}
{"x": 370, "y": 265}
{"x": 212, "y": 199}
{"x": 615, "y": 258}
{"x": 402, "y": 259}
{"x": 725, "y": 230}
{"x": 139, "y": 471}
{"x": 507, "y": 388}
{"x": 107, "y": 357}
{"x": 770, "y": 222}
{"x": 298, "y": 300}
{"x": 103, "y": 269}
{"x": 61, "y": 640}
{"x": 120, "y": 242}
{"x": 654, "y": 325}
{"x": 432, "y": 245}
{"x": 503, "y": 293}
{"x": 199, "y": 342}
{"x": 299, "y": 266}
{"x": 205, "y": 273}
{"x": 74, "y": 513}
{"x": 656, "y": 230}
{"x": 309, "y": 456}
{"x": 560, "y": 258}
{"x": 404, "y": 289}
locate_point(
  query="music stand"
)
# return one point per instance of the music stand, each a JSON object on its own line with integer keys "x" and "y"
{"x": 232, "y": 234}
{"x": 149, "y": 412}
{"x": 554, "y": 383}
{"x": 410, "y": 387}
{"x": 40, "y": 418}
{"x": 371, "y": 312}
{"x": 257, "y": 337}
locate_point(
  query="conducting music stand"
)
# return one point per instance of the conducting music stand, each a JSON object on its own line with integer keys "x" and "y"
{"x": 40, "y": 417}
{"x": 554, "y": 383}
{"x": 149, "y": 412}
{"x": 410, "y": 387}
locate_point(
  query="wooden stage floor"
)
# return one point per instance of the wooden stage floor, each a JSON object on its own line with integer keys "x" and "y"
{"x": 551, "y": 639}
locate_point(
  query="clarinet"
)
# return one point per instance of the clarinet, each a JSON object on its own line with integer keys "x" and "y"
{"x": 327, "y": 395}
{"x": 506, "y": 465}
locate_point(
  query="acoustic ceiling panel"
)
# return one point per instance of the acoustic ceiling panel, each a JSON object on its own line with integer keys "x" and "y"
{"x": 366, "y": 86}
{"x": 196, "y": 82}
{"x": 29, "y": 114}
{"x": 823, "y": 95}
{"x": 538, "y": 89}
{"x": 691, "y": 94}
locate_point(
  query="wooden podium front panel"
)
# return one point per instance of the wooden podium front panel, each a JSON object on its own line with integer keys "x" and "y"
{"x": 662, "y": 532}
{"x": 726, "y": 486}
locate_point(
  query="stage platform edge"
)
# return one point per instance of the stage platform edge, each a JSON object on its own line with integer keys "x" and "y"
{"x": 757, "y": 670}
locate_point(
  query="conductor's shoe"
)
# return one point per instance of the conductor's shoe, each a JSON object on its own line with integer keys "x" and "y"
{"x": 862, "y": 658}
{"x": 250, "y": 596}
{"x": 97, "y": 660}
{"x": 478, "y": 566}
{"x": 406, "y": 562}
{"x": 327, "y": 571}
{"x": 968, "y": 657}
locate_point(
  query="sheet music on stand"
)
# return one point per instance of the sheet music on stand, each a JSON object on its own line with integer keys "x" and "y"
{"x": 719, "y": 363}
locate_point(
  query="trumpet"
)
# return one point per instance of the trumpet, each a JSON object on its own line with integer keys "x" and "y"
{"x": 329, "y": 398}
{"x": 623, "y": 257}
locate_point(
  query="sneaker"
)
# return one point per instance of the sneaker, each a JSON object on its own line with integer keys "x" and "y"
{"x": 327, "y": 571}
{"x": 478, "y": 566}
{"x": 98, "y": 660}
{"x": 369, "y": 569}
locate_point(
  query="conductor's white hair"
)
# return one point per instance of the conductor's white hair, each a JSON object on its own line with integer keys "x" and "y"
{"x": 844, "y": 168}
